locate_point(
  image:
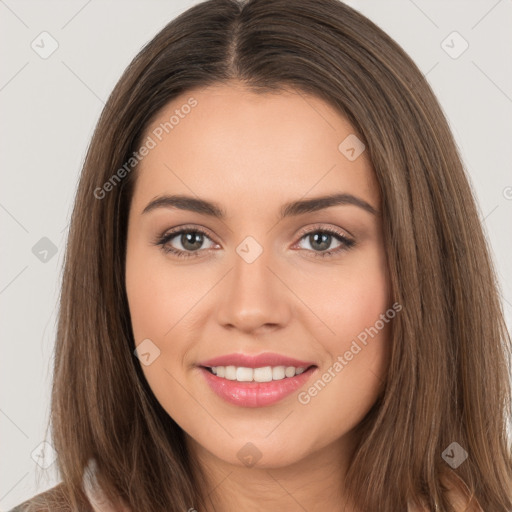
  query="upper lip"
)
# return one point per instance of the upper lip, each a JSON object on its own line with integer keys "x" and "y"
{"x": 255, "y": 361}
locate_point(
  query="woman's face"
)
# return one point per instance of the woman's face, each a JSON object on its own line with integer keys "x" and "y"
{"x": 260, "y": 345}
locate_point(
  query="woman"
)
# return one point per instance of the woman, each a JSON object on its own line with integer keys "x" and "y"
{"x": 210, "y": 354}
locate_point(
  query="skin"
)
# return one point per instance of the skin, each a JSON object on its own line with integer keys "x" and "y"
{"x": 251, "y": 153}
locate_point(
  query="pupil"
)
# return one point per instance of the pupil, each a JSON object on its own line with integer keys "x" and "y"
{"x": 325, "y": 236}
{"x": 186, "y": 240}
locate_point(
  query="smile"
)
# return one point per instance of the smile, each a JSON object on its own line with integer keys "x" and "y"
{"x": 255, "y": 381}
{"x": 263, "y": 374}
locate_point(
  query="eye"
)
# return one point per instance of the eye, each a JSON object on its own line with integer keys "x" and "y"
{"x": 320, "y": 239}
{"x": 191, "y": 241}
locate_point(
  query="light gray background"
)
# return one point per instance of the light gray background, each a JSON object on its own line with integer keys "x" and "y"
{"x": 50, "y": 107}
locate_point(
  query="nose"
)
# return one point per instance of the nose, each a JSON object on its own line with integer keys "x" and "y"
{"x": 254, "y": 295}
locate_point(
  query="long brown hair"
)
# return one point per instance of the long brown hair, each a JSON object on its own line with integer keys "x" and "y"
{"x": 448, "y": 378}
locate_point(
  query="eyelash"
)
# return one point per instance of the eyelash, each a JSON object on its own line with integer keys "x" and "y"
{"x": 164, "y": 239}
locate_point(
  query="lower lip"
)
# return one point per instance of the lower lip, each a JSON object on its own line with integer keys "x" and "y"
{"x": 255, "y": 394}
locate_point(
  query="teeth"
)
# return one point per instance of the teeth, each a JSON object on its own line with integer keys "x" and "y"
{"x": 264, "y": 374}
{"x": 244, "y": 374}
{"x": 230, "y": 373}
{"x": 289, "y": 371}
{"x": 278, "y": 372}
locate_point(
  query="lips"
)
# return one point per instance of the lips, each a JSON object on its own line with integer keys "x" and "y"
{"x": 256, "y": 361}
{"x": 252, "y": 393}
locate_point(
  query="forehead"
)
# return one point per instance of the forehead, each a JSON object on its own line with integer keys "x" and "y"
{"x": 231, "y": 144}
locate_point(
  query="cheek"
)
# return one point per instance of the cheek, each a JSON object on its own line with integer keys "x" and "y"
{"x": 356, "y": 305}
{"x": 364, "y": 298}
{"x": 165, "y": 307}
{"x": 159, "y": 300}
{"x": 147, "y": 301}
{"x": 160, "y": 297}
{"x": 351, "y": 298}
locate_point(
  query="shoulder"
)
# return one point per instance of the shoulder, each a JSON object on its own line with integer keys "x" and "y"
{"x": 52, "y": 500}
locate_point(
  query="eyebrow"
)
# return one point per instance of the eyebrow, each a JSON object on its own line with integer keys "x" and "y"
{"x": 291, "y": 209}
